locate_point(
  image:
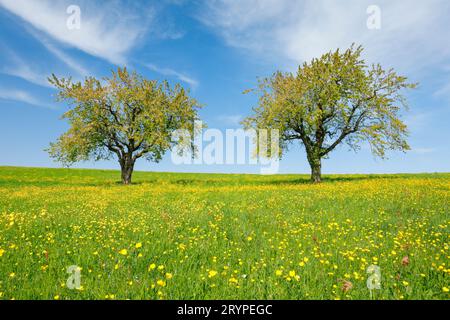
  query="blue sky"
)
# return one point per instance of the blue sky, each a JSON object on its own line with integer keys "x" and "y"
{"x": 218, "y": 49}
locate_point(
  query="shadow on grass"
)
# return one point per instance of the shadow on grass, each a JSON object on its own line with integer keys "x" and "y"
{"x": 203, "y": 180}
{"x": 134, "y": 183}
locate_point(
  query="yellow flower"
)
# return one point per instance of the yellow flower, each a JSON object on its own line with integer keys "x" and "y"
{"x": 12, "y": 275}
{"x": 445, "y": 289}
{"x": 169, "y": 276}
{"x": 123, "y": 252}
{"x": 212, "y": 273}
{"x": 56, "y": 297}
{"x": 151, "y": 267}
{"x": 292, "y": 273}
{"x": 405, "y": 283}
{"x": 301, "y": 264}
{"x": 161, "y": 267}
{"x": 233, "y": 280}
{"x": 279, "y": 272}
{"x": 138, "y": 245}
{"x": 2, "y": 252}
{"x": 249, "y": 238}
{"x": 161, "y": 283}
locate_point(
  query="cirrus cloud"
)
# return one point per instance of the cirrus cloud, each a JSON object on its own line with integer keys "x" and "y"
{"x": 411, "y": 36}
{"x": 107, "y": 31}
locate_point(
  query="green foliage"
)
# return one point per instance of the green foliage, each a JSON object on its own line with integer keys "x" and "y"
{"x": 336, "y": 98}
{"x": 124, "y": 115}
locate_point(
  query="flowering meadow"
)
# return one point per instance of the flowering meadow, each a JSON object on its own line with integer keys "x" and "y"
{"x": 211, "y": 236}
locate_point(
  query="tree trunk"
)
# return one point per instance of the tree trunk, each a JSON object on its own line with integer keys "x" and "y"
{"x": 316, "y": 170}
{"x": 127, "y": 166}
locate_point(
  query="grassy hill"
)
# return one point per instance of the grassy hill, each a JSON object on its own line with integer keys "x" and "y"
{"x": 217, "y": 236}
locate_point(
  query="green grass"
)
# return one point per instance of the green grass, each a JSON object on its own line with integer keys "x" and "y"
{"x": 222, "y": 236}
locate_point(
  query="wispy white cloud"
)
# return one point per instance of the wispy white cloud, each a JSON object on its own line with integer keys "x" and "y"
{"x": 22, "y": 96}
{"x": 61, "y": 55}
{"x": 25, "y": 72}
{"x": 443, "y": 91}
{"x": 172, "y": 73}
{"x": 232, "y": 120}
{"x": 423, "y": 150}
{"x": 107, "y": 31}
{"x": 18, "y": 67}
{"x": 410, "y": 38}
{"x": 419, "y": 120}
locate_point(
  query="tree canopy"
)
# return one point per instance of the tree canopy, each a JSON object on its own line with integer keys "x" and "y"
{"x": 125, "y": 115}
{"x": 334, "y": 99}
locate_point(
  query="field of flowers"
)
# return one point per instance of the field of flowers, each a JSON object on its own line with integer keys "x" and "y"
{"x": 205, "y": 236}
